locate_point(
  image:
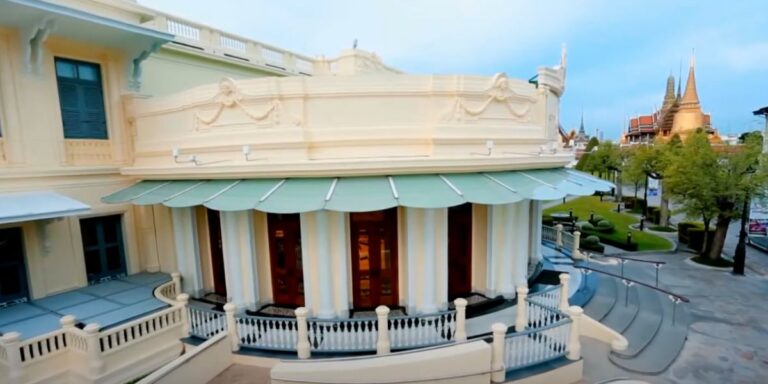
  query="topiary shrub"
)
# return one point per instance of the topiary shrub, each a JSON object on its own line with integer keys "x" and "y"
{"x": 587, "y": 227}
{"x": 696, "y": 239}
{"x": 596, "y": 219}
{"x": 682, "y": 230}
{"x": 605, "y": 226}
{"x": 592, "y": 243}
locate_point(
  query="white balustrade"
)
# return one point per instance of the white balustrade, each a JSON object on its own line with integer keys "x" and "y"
{"x": 497, "y": 352}
{"x": 564, "y": 291}
{"x": 536, "y": 346}
{"x": 422, "y": 330}
{"x": 42, "y": 346}
{"x": 343, "y": 335}
{"x": 549, "y": 234}
{"x": 382, "y": 338}
{"x": 272, "y": 56}
{"x": 183, "y": 29}
{"x": 548, "y": 297}
{"x": 559, "y": 236}
{"x": 302, "y": 345}
{"x": 231, "y": 321}
{"x": 521, "y": 314}
{"x": 574, "y": 344}
{"x": 205, "y": 323}
{"x": 10, "y": 343}
{"x": 143, "y": 328}
{"x": 461, "y": 320}
{"x": 272, "y": 333}
{"x": 232, "y": 44}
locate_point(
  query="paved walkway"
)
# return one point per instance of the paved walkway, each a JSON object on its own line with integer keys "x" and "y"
{"x": 728, "y": 337}
{"x": 107, "y": 304}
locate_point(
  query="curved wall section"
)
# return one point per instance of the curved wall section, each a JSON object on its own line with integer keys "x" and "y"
{"x": 349, "y": 125}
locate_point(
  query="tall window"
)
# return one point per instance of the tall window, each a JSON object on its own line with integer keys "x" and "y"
{"x": 103, "y": 247}
{"x": 13, "y": 274}
{"x": 82, "y": 99}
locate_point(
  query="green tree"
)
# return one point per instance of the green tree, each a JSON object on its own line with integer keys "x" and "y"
{"x": 605, "y": 159}
{"x": 592, "y": 143}
{"x": 714, "y": 183}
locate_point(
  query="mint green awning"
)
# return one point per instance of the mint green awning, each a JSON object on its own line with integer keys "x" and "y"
{"x": 365, "y": 193}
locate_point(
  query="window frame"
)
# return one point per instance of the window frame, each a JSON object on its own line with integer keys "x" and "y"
{"x": 104, "y": 133}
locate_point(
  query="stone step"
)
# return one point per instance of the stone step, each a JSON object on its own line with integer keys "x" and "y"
{"x": 646, "y": 324}
{"x": 624, "y": 311}
{"x": 664, "y": 348}
{"x": 604, "y": 298}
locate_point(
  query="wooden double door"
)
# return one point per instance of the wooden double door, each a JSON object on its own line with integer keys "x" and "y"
{"x": 286, "y": 259}
{"x": 459, "y": 251}
{"x": 374, "y": 258}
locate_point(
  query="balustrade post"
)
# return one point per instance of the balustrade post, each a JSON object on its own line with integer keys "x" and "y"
{"x": 184, "y": 300}
{"x": 67, "y": 322}
{"x": 229, "y": 312}
{"x": 382, "y": 341}
{"x": 574, "y": 343}
{"x": 564, "y": 291}
{"x": 559, "y": 238}
{"x": 521, "y": 320}
{"x": 176, "y": 277}
{"x": 11, "y": 341}
{"x": 461, "y": 320}
{"x": 497, "y": 352}
{"x": 575, "y": 254}
{"x": 302, "y": 345}
{"x": 95, "y": 362}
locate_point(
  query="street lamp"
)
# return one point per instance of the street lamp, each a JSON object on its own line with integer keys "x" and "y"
{"x": 740, "y": 255}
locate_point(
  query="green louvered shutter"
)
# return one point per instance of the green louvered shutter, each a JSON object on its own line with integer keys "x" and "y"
{"x": 81, "y": 99}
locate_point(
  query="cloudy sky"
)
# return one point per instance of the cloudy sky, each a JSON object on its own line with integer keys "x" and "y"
{"x": 619, "y": 52}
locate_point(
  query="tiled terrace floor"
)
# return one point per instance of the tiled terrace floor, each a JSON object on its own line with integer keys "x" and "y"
{"x": 107, "y": 304}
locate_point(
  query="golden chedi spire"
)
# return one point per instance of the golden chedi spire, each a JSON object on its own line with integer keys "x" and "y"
{"x": 689, "y": 116}
{"x": 669, "y": 95}
{"x": 691, "y": 97}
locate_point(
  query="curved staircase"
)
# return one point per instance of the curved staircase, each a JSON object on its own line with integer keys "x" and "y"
{"x": 655, "y": 331}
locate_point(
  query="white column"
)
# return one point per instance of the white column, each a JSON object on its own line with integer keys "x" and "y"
{"x": 501, "y": 250}
{"x": 324, "y": 267}
{"x": 303, "y": 348}
{"x": 497, "y": 352}
{"x": 536, "y": 223}
{"x": 382, "y": 326}
{"x": 187, "y": 250}
{"x": 564, "y": 292}
{"x": 520, "y": 231}
{"x": 574, "y": 342}
{"x": 240, "y": 267}
{"x": 427, "y": 256}
{"x": 325, "y": 260}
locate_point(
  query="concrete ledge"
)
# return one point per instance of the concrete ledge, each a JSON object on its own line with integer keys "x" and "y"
{"x": 560, "y": 371}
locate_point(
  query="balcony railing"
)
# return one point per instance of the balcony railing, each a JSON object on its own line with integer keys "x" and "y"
{"x": 213, "y": 41}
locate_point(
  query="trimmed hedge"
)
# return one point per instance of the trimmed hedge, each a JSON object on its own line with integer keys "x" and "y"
{"x": 592, "y": 243}
{"x": 605, "y": 226}
{"x": 682, "y": 230}
{"x": 587, "y": 227}
{"x": 606, "y": 239}
{"x": 595, "y": 219}
{"x": 630, "y": 202}
{"x": 696, "y": 238}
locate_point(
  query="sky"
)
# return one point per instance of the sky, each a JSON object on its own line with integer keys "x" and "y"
{"x": 619, "y": 52}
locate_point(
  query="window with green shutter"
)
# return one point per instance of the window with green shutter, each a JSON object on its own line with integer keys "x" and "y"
{"x": 82, "y": 99}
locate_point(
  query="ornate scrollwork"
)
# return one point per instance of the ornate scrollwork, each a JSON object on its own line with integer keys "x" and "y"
{"x": 229, "y": 96}
{"x": 498, "y": 91}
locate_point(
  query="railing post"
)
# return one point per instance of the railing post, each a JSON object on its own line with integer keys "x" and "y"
{"x": 302, "y": 345}
{"x": 564, "y": 291}
{"x": 95, "y": 363}
{"x": 229, "y": 312}
{"x": 10, "y": 341}
{"x": 461, "y": 320}
{"x": 184, "y": 300}
{"x": 575, "y": 254}
{"x": 176, "y": 277}
{"x": 574, "y": 344}
{"x": 521, "y": 320}
{"x": 497, "y": 353}
{"x": 559, "y": 238}
{"x": 382, "y": 341}
{"x": 67, "y": 322}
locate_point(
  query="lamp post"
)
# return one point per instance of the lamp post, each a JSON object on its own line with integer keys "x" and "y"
{"x": 740, "y": 255}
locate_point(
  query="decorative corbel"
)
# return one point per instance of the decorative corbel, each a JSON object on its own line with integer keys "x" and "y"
{"x": 134, "y": 78}
{"x": 32, "y": 43}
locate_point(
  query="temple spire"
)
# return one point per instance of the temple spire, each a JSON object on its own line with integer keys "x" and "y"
{"x": 669, "y": 95}
{"x": 581, "y": 127}
{"x": 691, "y": 97}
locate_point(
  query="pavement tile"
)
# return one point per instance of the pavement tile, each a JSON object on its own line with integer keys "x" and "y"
{"x": 64, "y": 300}
{"x": 18, "y": 312}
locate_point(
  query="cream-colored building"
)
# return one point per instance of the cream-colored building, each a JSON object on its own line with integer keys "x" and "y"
{"x": 135, "y": 142}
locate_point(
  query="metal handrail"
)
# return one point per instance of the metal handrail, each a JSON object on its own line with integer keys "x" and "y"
{"x": 657, "y": 262}
{"x": 672, "y": 294}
